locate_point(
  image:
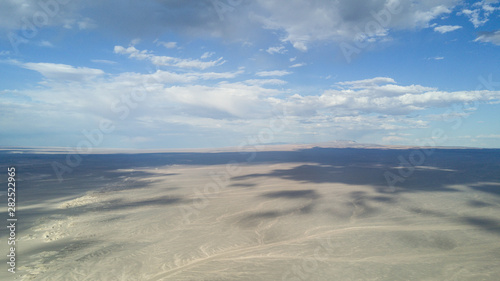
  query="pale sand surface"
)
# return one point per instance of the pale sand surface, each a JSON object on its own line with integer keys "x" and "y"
{"x": 309, "y": 214}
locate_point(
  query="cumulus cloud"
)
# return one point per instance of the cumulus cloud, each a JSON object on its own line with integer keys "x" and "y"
{"x": 304, "y": 22}
{"x": 226, "y": 100}
{"x": 299, "y": 23}
{"x": 489, "y": 37}
{"x": 474, "y": 17}
{"x": 170, "y": 101}
{"x": 446, "y": 28}
{"x": 188, "y": 93}
{"x": 381, "y": 95}
{"x": 193, "y": 101}
{"x": 480, "y": 12}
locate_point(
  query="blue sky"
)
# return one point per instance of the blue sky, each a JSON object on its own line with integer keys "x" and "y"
{"x": 215, "y": 73}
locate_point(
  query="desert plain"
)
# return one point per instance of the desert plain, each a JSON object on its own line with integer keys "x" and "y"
{"x": 275, "y": 213}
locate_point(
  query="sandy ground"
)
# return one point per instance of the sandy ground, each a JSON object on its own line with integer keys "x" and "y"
{"x": 313, "y": 214}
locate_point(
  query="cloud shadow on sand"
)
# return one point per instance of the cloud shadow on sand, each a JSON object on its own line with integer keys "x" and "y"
{"x": 437, "y": 172}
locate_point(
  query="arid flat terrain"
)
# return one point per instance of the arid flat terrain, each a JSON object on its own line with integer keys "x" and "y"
{"x": 304, "y": 213}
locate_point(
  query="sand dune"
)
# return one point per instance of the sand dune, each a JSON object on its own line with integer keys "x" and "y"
{"x": 296, "y": 214}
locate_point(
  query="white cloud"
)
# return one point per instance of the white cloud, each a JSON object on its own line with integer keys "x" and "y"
{"x": 135, "y": 41}
{"x": 276, "y": 50}
{"x": 273, "y": 73}
{"x": 304, "y": 21}
{"x": 172, "y": 99}
{"x": 45, "y": 43}
{"x": 81, "y": 23}
{"x": 489, "y": 37}
{"x": 14, "y": 15}
{"x": 422, "y": 18}
{"x": 261, "y": 82}
{"x": 104, "y": 61}
{"x": 165, "y": 60}
{"x": 446, "y": 28}
{"x": 219, "y": 75}
{"x": 394, "y": 139}
{"x": 298, "y": 22}
{"x": 480, "y": 12}
{"x": 490, "y": 136}
{"x": 474, "y": 17}
{"x": 487, "y": 5}
{"x": 251, "y": 98}
{"x": 188, "y": 103}
{"x": 86, "y": 23}
{"x": 300, "y": 45}
{"x": 224, "y": 100}
{"x": 168, "y": 77}
{"x": 368, "y": 82}
{"x": 168, "y": 45}
{"x": 192, "y": 91}
{"x": 376, "y": 96}
{"x": 63, "y": 71}
{"x": 206, "y": 55}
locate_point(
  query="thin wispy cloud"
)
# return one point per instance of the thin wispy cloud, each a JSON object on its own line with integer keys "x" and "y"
{"x": 446, "y": 28}
{"x": 103, "y": 61}
{"x": 206, "y": 55}
{"x": 168, "y": 45}
{"x": 276, "y": 50}
{"x": 63, "y": 71}
{"x": 492, "y": 37}
{"x": 132, "y": 52}
{"x": 273, "y": 73}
